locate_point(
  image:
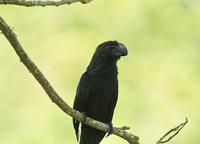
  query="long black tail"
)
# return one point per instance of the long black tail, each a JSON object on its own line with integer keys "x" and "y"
{"x": 90, "y": 135}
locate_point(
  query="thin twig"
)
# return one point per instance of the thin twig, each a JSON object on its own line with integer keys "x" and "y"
{"x": 175, "y": 130}
{"x": 31, "y": 3}
{"x": 125, "y": 128}
{"x": 53, "y": 95}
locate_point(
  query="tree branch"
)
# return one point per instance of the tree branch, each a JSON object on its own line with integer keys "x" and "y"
{"x": 24, "y": 58}
{"x": 31, "y": 3}
{"x": 175, "y": 130}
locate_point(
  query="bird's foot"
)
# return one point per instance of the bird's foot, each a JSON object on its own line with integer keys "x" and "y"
{"x": 110, "y": 125}
{"x": 83, "y": 117}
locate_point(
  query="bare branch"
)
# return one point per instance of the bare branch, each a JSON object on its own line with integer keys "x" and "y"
{"x": 24, "y": 58}
{"x": 175, "y": 130}
{"x": 31, "y": 3}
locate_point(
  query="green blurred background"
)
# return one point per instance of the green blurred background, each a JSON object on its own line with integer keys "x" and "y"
{"x": 159, "y": 81}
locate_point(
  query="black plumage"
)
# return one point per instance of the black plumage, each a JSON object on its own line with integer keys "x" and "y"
{"x": 97, "y": 91}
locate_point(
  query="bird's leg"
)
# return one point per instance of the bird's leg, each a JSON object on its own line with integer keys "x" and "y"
{"x": 110, "y": 125}
{"x": 83, "y": 119}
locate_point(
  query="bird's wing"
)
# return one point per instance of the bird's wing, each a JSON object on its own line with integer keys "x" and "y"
{"x": 80, "y": 101}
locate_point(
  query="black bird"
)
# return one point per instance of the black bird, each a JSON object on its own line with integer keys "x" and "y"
{"x": 97, "y": 91}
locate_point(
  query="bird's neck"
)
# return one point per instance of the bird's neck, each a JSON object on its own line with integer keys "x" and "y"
{"x": 99, "y": 65}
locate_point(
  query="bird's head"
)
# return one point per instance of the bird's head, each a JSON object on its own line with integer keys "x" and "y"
{"x": 107, "y": 54}
{"x": 111, "y": 50}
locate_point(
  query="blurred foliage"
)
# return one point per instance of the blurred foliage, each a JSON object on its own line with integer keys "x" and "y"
{"x": 159, "y": 80}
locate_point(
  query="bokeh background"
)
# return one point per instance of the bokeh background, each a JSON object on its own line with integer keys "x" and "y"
{"x": 159, "y": 80}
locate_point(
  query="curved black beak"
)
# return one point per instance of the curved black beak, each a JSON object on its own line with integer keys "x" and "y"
{"x": 120, "y": 50}
{"x": 123, "y": 49}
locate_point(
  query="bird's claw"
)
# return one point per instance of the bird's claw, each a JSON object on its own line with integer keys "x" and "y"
{"x": 110, "y": 125}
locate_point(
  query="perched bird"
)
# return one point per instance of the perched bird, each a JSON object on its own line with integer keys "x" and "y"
{"x": 97, "y": 91}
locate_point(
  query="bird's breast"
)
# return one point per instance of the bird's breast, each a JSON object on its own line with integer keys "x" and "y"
{"x": 103, "y": 93}
{"x": 104, "y": 85}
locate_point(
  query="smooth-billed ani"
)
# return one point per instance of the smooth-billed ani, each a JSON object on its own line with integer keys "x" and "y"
{"x": 97, "y": 91}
